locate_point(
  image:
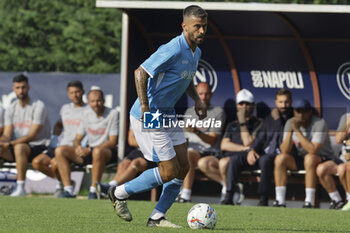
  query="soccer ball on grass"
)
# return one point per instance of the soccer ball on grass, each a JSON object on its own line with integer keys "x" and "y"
{"x": 202, "y": 216}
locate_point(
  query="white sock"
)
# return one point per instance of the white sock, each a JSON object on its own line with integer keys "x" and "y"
{"x": 92, "y": 189}
{"x": 113, "y": 183}
{"x": 59, "y": 185}
{"x": 186, "y": 194}
{"x": 120, "y": 192}
{"x": 223, "y": 190}
{"x": 310, "y": 195}
{"x": 347, "y": 196}
{"x": 20, "y": 184}
{"x": 335, "y": 196}
{"x": 68, "y": 189}
{"x": 156, "y": 214}
{"x": 281, "y": 194}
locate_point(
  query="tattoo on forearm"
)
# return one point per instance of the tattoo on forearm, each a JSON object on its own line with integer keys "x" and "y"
{"x": 191, "y": 91}
{"x": 141, "y": 78}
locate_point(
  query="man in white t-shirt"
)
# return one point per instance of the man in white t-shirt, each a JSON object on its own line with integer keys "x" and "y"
{"x": 201, "y": 141}
{"x": 100, "y": 124}
{"x": 70, "y": 118}
{"x": 26, "y": 133}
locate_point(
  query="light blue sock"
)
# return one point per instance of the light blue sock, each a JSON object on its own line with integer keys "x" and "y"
{"x": 149, "y": 179}
{"x": 170, "y": 191}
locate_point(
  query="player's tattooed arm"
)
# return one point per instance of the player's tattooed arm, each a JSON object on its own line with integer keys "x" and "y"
{"x": 200, "y": 108}
{"x": 141, "y": 79}
{"x": 192, "y": 92}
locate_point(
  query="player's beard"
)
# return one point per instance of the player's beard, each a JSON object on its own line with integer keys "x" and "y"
{"x": 22, "y": 96}
{"x": 196, "y": 40}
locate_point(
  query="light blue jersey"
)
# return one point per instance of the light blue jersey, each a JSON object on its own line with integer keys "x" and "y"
{"x": 171, "y": 68}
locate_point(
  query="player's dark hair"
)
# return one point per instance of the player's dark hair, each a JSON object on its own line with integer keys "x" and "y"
{"x": 284, "y": 91}
{"x": 75, "y": 83}
{"x": 20, "y": 78}
{"x": 101, "y": 92}
{"x": 195, "y": 11}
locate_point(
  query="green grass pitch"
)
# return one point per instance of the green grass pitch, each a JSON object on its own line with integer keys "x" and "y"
{"x": 38, "y": 214}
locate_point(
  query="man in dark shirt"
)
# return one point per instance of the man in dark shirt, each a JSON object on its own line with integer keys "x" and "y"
{"x": 263, "y": 150}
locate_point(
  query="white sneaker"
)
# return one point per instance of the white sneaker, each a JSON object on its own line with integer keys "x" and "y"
{"x": 18, "y": 192}
{"x": 238, "y": 196}
{"x": 346, "y": 207}
{"x": 162, "y": 222}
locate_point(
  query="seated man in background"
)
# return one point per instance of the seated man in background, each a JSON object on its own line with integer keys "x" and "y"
{"x": 26, "y": 133}
{"x": 70, "y": 117}
{"x": 132, "y": 165}
{"x": 306, "y": 144}
{"x": 100, "y": 124}
{"x": 264, "y": 149}
{"x": 201, "y": 141}
{"x": 238, "y": 137}
{"x": 326, "y": 170}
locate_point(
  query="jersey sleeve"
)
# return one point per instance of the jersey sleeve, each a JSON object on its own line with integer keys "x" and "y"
{"x": 9, "y": 116}
{"x": 342, "y": 122}
{"x": 1, "y": 117}
{"x": 159, "y": 61}
{"x": 81, "y": 128}
{"x": 114, "y": 123}
{"x": 319, "y": 132}
{"x": 286, "y": 129}
{"x": 39, "y": 113}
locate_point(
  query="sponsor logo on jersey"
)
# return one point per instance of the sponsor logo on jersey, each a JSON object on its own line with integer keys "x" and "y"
{"x": 277, "y": 79}
{"x": 343, "y": 79}
{"x": 206, "y": 73}
{"x": 72, "y": 121}
{"x": 99, "y": 131}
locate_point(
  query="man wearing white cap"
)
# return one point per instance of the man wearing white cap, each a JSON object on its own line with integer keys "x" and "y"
{"x": 238, "y": 137}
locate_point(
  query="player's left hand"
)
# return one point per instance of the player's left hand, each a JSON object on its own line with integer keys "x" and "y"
{"x": 201, "y": 110}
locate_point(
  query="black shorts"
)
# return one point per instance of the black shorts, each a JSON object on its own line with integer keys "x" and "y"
{"x": 299, "y": 160}
{"x": 88, "y": 159}
{"x": 136, "y": 153}
{"x": 34, "y": 151}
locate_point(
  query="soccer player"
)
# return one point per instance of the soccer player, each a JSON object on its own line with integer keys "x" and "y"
{"x": 305, "y": 144}
{"x": 100, "y": 124}
{"x": 201, "y": 141}
{"x": 70, "y": 118}
{"x": 26, "y": 132}
{"x": 171, "y": 68}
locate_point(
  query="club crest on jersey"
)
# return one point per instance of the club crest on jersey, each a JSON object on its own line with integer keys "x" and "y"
{"x": 206, "y": 73}
{"x": 343, "y": 79}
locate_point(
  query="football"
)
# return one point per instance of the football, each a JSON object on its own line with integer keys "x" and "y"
{"x": 202, "y": 216}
